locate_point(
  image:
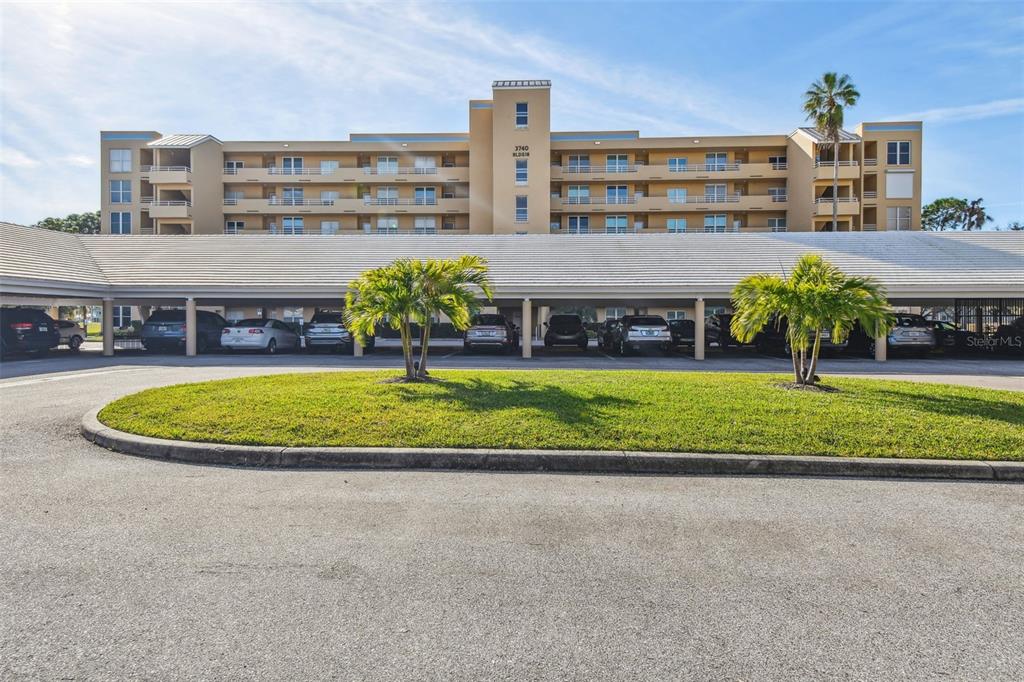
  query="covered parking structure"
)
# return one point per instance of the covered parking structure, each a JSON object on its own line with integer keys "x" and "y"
{"x": 530, "y": 272}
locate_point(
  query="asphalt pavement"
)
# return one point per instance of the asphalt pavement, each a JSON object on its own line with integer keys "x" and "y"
{"x": 114, "y": 567}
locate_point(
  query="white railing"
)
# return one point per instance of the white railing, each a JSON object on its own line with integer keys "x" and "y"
{"x": 870, "y": 162}
{"x": 151, "y": 169}
{"x": 610, "y": 168}
{"x": 708, "y": 199}
{"x": 869, "y": 227}
{"x": 779, "y": 198}
{"x": 272, "y": 229}
{"x": 274, "y": 201}
{"x": 388, "y": 201}
{"x": 830, "y": 164}
{"x": 145, "y": 200}
{"x": 580, "y": 201}
{"x": 403, "y": 170}
{"x": 176, "y": 202}
{"x": 838, "y": 200}
{"x": 870, "y": 194}
{"x": 274, "y": 170}
{"x": 705, "y": 168}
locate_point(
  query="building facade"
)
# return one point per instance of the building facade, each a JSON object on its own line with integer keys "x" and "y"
{"x": 511, "y": 174}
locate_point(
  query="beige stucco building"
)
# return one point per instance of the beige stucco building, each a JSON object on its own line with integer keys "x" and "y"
{"x": 511, "y": 174}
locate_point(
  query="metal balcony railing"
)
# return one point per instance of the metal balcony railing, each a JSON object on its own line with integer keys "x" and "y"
{"x": 870, "y": 162}
{"x": 392, "y": 201}
{"x": 609, "y": 168}
{"x": 400, "y": 170}
{"x": 838, "y": 200}
{"x": 150, "y": 169}
{"x": 870, "y": 194}
{"x": 583, "y": 201}
{"x": 830, "y": 164}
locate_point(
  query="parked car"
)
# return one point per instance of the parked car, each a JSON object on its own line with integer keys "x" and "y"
{"x": 604, "y": 333}
{"x": 327, "y": 331}
{"x": 165, "y": 330}
{"x": 27, "y": 330}
{"x": 635, "y": 333}
{"x": 268, "y": 336}
{"x": 491, "y": 331}
{"x": 716, "y": 331}
{"x": 772, "y": 339}
{"x": 910, "y": 334}
{"x": 566, "y": 330}
{"x": 683, "y": 332}
{"x": 1010, "y": 338}
{"x": 71, "y": 334}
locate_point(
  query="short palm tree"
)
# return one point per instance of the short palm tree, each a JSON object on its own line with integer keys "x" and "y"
{"x": 816, "y": 296}
{"x": 824, "y": 104}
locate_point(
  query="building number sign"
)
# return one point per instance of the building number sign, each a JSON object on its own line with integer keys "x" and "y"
{"x": 521, "y": 151}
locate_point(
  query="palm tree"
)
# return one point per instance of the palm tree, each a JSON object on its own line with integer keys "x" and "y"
{"x": 816, "y": 296}
{"x": 975, "y": 216}
{"x": 824, "y": 104}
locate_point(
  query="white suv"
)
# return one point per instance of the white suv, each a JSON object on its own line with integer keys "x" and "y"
{"x": 71, "y": 334}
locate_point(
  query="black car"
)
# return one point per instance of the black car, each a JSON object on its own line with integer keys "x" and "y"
{"x": 683, "y": 332}
{"x": 605, "y": 332}
{"x": 27, "y": 330}
{"x": 772, "y": 339}
{"x": 716, "y": 330}
{"x": 165, "y": 330}
{"x": 565, "y": 330}
{"x": 489, "y": 330}
{"x": 634, "y": 333}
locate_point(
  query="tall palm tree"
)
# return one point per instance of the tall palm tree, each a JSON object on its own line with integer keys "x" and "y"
{"x": 816, "y": 296}
{"x": 975, "y": 216}
{"x": 824, "y": 104}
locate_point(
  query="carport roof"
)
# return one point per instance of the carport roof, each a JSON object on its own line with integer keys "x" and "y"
{"x": 909, "y": 264}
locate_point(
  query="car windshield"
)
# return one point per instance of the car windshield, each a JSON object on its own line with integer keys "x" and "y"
{"x": 329, "y": 318}
{"x": 565, "y": 323}
{"x": 647, "y": 320}
{"x": 251, "y": 322}
{"x": 491, "y": 320}
{"x": 911, "y": 321}
{"x": 167, "y": 316}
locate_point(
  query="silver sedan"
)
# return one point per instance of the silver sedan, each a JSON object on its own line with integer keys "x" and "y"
{"x": 268, "y": 336}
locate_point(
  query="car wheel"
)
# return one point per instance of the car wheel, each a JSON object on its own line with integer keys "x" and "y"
{"x": 271, "y": 347}
{"x": 75, "y": 343}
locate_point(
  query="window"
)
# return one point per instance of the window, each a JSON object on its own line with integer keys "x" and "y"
{"x": 677, "y": 164}
{"x": 292, "y": 165}
{"x": 234, "y": 314}
{"x": 614, "y": 313}
{"x": 675, "y": 315}
{"x": 328, "y": 167}
{"x": 294, "y": 315}
{"x": 426, "y": 196}
{"x": 777, "y": 162}
{"x": 676, "y": 195}
{"x": 579, "y": 163}
{"x": 425, "y": 164}
{"x": 676, "y": 225}
{"x": 714, "y": 222}
{"x": 522, "y": 114}
{"x": 387, "y": 165}
{"x": 234, "y": 226}
{"x": 293, "y": 196}
{"x": 715, "y": 161}
{"x": 522, "y": 214}
{"x": 898, "y": 153}
{"x": 231, "y": 167}
{"x": 777, "y": 193}
{"x": 521, "y": 171}
{"x": 329, "y": 227}
{"x": 387, "y": 224}
{"x": 448, "y": 224}
{"x": 122, "y": 316}
{"x": 292, "y": 224}
{"x": 120, "y": 191}
{"x": 714, "y": 193}
{"x": 387, "y": 196}
{"x": 328, "y": 197}
{"x": 231, "y": 197}
{"x": 579, "y": 194}
{"x": 120, "y": 160}
{"x": 615, "y": 224}
{"x": 777, "y": 224}
{"x": 617, "y": 163}
{"x": 616, "y": 194}
{"x": 579, "y": 224}
{"x": 899, "y": 184}
{"x": 120, "y": 222}
{"x": 425, "y": 225}
{"x": 898, "y": 218}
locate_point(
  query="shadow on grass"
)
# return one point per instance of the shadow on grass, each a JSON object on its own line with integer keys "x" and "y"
{"x": 955, "y": 406}
{"x": 480, "y": 395}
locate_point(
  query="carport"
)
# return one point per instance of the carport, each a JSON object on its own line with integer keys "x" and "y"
{"x": 530, "y": 272}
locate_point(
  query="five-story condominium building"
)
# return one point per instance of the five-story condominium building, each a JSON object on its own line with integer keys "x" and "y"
{"x": 512, "y": 174}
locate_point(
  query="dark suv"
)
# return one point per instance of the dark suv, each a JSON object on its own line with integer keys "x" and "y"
{"x": 165, "y": 330}
{"x": 683, "y": 332}
{"x": 772, "y": 339}
{"x": 491, "y": 331}
{"x": 565, "y": 330}
{"x": 641, "y": 332}
{"x": 27, "y": 330}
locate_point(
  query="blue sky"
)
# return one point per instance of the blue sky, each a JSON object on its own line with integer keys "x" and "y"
{"x": 320, "y": 71}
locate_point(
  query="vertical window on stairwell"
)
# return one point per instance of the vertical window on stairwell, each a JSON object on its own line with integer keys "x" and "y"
{"x": 522, "y": 114}
{"x": 120, "y": 160}
{"x": 521, "y": 171}
{"x": 898, "y": 218}
{"x": 120, "y": 191}
{"x": 120, "y": 222}
{"x": 522, "y": 214}
{"x": 898, "y": 153}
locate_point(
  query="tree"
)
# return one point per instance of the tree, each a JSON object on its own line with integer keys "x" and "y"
{"x": 816, "y": 296}
{"x": 1015, "y": 226}
{"x": 408, "y": 291}
{"x": 947, "y": 213}
{"x": 82, "y": 223}
{"x": 824, "y": 104}
{"x": 976, "y": 217}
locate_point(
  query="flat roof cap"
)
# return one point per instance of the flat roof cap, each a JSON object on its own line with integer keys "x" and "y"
{"x": 521, "y": 84}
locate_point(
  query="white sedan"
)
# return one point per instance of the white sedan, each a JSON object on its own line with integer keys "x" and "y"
{"x": 269, "y": 336}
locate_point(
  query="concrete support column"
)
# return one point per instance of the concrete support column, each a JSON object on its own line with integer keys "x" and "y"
{"x": 527, "y": 332}
{"x": 190, "y": 326}
{"x": 108, "y": 326}
{"x": 543, "y": 313}
{"x": 880, "y": 349}
{"x": 698, "y": 329}
{"x": 357, "y": 348}
{"x": 144, "y": 312}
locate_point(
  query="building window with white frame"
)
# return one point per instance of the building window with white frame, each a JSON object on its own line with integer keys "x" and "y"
{"x": 425, "y": 224}
{"x": 579, "y": 224}
{"x": 122, "y": 316}
{"x": 387, "y": 196}
{"x": 676, "y": 225}
{"x": 714, "y": 193}
{"x": 715, "y": 222}
{"x": 292, "y": 165}
{"x": 615, "y": 224}
{"x": 617, "y": 163}
{"x": 778, "y": 194}
{"x": 234, "y": 314}
{"x": 614, "y": 313}
{"x": 387, "y": 165}
{"x": 616, "y": 194}
{"x": 579, "y": 194}
{"x": 425, "y": 196}
{"x": 522, "y": 212}
{"x": 387, "y": 224}
{"x": 522, "y": 171}
{"x": 329, "y": 226}
{"x": 898, "y": 153}
{"x": 234, "y": 226}
{"x": 120, "y": 191}
{"x": 522, "y": 114}
{"x": 425, "y": 165}
{"x": 579, "y": 163}
{"x": 898, "y": 218}
{"x": 675, "y": 315}
{"x": 676, "y": 195}
{"x": 120, "y": 160}
{"x": 778, "y": 162}
{"x": 777, "y": 224}
{"x": 328, "y": 167}
{"x": 677, "y": 164}
{"x": 715, "y": 161}
{"x": 293, "y": 196}
{"x": 292, "y": 224}
{"x": 232, "y": 167}
{"x": 328, "y": 196}
{"x": 121, "y": 222}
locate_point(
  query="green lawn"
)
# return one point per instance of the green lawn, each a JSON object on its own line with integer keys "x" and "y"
{"x": 667, "y": 411}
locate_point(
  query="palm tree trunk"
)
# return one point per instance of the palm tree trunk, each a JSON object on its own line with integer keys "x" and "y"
{"x": 410, "y": 372}
{"x": 796, "y": 362}
{"x": 835, "y": 184}
{"x": 425, "y": 342}
{"x": 815, "y": 350}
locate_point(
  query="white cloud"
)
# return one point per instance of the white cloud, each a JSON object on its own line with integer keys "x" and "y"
{"x": 967, "y": 112}
{"x": 79, "y": 160}
{"x": 16, "y": 159}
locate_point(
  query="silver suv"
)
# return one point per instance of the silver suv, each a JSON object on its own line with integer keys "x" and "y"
{"x": 912, "y": 333}
{"x": 327, "y": 330}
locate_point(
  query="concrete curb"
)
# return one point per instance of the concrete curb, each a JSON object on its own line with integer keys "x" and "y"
{"x": 564, "y": 461}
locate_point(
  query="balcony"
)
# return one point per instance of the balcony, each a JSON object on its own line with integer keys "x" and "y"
{"x": 848, "y": 170}
{"x": 169, "y": 175}
{"x": 643, "y": 173}
{"x": 847, "y": 206}
{"x": 334, "y": 206}
{"x": 732, "y": 202}
{"x": 168, "y": 209}
{"x": 347, "y": 174}
{"x": 274, "y": 230}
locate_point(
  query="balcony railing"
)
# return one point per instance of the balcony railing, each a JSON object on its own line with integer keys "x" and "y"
{"x": 838, "y": 200}
{"x": 176, "y": 202}
{"x": 272, "y": 229}
{"x": 585, "y": 201}
{"x": 393, "y": 201}
{"x": 151, "y": 169}
{"x": 830, "y": 164}
{"x": 697, "y": 168}
{"x": 403, "y": 170}
{"x": 869, "y": 227}
{"x": 870, "y": 162}
{"x": 870, "y": 194}
{"x": 610, "y": 168}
